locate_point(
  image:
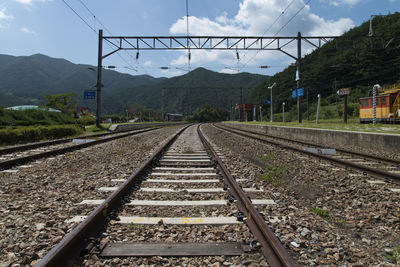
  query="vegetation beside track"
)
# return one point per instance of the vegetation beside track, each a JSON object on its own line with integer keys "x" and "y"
{"x": 31, "y": 117}
{"x": 31, "y": 125}
{"x": 10, "y": 135}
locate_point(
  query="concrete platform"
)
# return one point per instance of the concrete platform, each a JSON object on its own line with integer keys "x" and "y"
{"x": 379, "y": 141}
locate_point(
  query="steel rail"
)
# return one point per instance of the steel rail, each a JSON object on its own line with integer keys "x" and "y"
{"x": 23, "y": 147}
{"x": 361, "y": 154}
{"x": 272, "y": 249}
{"x": 72, "y": 245}
{"x": 372, "y": 171}
{"x": 7, "y": 164}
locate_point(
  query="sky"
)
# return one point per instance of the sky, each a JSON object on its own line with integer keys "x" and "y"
{"x": 69, "y": 29}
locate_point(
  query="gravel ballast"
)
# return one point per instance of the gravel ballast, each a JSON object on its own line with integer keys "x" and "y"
{"x": 325, "y": 215}
{"x": 36, "y": 201}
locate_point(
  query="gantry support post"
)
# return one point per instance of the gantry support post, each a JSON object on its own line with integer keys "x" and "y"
{"x": 99, "y": 84}
{"x": 298, "y": 78}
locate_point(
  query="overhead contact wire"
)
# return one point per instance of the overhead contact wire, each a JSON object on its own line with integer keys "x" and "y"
{"x": 280, "y": 28}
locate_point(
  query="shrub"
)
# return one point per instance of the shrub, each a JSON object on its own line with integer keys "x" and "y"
{"x": 207, "y": 113}
{"x": 86, "y": 120}
{"x": 33, "y": 117}
{"x": 10, "y": 136}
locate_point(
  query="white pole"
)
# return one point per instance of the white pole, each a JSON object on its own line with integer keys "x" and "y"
{"x": 272, "y": 110}
{"x": 283, "y": 111}
{"x": 319, "y": 104}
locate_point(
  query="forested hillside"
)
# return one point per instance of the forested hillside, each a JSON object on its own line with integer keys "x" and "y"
{"x": 26, "y": 80}
{"x": 183, "y": 94}
{"x": 357, "y": 63}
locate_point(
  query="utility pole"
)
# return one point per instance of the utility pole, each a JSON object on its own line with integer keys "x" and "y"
{"x": 308, "y": 106}
{"x": 162, "y": 103}
{"x": 298, "y": 76}
{"x": 99, "y": 85}
{"x": 241, "y": 103}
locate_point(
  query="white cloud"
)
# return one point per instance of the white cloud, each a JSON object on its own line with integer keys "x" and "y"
{"x": 26, "y": 30}
{"x": 147, "y": 63}
{"x": 344, "y": 2}
{"x": 24, "y": 2}
{"x": 30, "y": 2}
{"x": 256, "y": 17}
{"x": 228, "y": 71}
{"x": 4, "y": 18}
{"x": 171, "y": 73}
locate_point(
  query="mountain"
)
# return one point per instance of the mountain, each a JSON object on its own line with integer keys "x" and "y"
{"x": 27, "y": 79}
{"x": 183, "y": 94}
{"x": 356, "y": 63}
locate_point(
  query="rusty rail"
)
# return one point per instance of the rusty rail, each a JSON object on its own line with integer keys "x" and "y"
{"x": 356, "y": 153}
{"x": 23, "y": 147}
{"x": 369, "y": 170}
{"x": 272, "y": 249}
{"x": 7, "y": 164}
{"x": 72, "y": 245}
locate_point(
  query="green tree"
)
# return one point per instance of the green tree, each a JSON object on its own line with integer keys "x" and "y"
{"x": 209, "y": 114}
{"x": 64, "y": 102}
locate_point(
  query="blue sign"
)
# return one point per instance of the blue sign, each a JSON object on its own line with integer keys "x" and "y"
{"x": 89, "y": 95}
{"x": 267, "y": 102}
{"x": 294, "y": 95}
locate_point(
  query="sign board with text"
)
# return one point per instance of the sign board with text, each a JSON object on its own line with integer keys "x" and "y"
{"x": 301, "y": 93}
{"x": 89, "y": 95}
{"x": 344, "y": 91}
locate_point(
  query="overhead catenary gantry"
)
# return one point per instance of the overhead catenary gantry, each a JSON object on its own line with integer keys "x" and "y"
{"x": 249, "y": 43}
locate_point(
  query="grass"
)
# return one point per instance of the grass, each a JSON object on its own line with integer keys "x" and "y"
{"x": 320, "y": 212}
{"x": 272, "y": 174}
{"x": 395, "y": 255}
{"x": 336, "y": 124}
{"x": 342, "y": 222}
{"x": 92, "y": 129}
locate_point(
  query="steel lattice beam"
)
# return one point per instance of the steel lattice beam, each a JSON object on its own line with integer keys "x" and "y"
{"x": 254, "y": 43}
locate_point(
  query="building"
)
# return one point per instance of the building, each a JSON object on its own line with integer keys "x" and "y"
{"x": 247, "y": 112}
{"x": 173, "y": 117}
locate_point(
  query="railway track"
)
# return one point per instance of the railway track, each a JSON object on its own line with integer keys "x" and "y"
{"x": 23, "y": 154}
{"x": 180, "y": 203}
{"x": 385, "y": 168}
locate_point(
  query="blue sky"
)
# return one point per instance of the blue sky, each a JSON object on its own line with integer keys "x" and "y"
{"x": 49, "y": 27}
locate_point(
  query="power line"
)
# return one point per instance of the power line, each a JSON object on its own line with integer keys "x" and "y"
{"x": 267, "y": 30}
{"x": 76, "y": 13}
{"x": 279, "y": 29}
{"x": 96, "y": 19}
{"x": 283, "y": 12}
{"x": 292, "y": 17}
{"x": 94, "y": 16}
